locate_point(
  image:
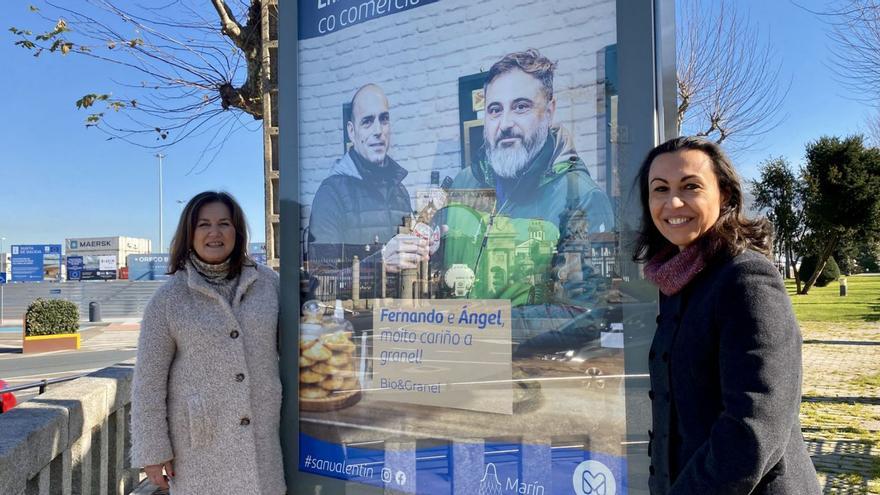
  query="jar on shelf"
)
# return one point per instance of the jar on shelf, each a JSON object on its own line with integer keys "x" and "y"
{"x": 329, "y": 360}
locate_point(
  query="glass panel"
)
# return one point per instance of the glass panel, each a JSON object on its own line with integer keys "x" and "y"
{"x": 469, "y": 311}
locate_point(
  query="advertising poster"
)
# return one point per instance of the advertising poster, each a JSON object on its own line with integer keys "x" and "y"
{"x": 89, "y": 267}
{"x": 147, "y": 266}
{"x": 36, "y": 262}
{"x": 462, "y": 332}
{"x": 257, "y": 252}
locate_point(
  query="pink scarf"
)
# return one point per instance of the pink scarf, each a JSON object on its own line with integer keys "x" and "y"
{"x": 671, "y": 270}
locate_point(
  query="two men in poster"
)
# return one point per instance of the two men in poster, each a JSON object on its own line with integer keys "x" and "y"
{"x": 530, "y": 246}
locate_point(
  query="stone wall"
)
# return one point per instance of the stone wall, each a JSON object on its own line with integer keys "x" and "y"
{"x": 73, "y": 439}
{"x": 418, "y": 56}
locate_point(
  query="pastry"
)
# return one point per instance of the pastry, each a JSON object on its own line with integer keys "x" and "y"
{"x": 332, "y": 383}
{"x": 317, "y": 352}
{"x": 339, "y": 359}
{"x": 309, "y": 376}
{"x": 313, "y": 393}
{"x": 346, "y": 371}
{"x": 324, "y": 368}
{"x": 305, "y": 362}
{"x": 338, "y": 341}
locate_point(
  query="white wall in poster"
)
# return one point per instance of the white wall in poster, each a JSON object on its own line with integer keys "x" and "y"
{"x": 418, "y": 67}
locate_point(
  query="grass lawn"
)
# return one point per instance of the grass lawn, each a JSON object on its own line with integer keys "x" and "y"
{"x": 840, "y": 414}
{"x": 824, "y": 304}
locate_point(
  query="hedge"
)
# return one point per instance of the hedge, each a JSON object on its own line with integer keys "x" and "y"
{"x": 51, "y": 317}
{"x": 829, "y": 274}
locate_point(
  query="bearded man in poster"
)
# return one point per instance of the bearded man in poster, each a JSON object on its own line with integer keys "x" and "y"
{"x": 533, "y": 246}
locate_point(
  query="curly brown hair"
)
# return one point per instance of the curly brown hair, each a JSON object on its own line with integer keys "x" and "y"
{"x": 732, "y": 233}
{"x": 532, "y": 63}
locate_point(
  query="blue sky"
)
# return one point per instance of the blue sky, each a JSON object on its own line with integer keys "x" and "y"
{"x": 61, "y": 180}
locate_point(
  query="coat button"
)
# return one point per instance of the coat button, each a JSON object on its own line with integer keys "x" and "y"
{"x": 245, "y": 421}
{"x": 665, "y": 357}
{"x": 239, "y": 377}
{"x": 234, "y": 334}
{"x": 651, "y": 394}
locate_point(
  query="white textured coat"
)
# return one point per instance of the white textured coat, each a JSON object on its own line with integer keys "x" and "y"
{"x": 207, "y": 391}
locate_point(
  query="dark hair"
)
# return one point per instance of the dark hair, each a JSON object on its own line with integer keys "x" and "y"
{"x": 181, "y": 244}
{"x": 532, "y": 63}
{"x": 732, "y": 233}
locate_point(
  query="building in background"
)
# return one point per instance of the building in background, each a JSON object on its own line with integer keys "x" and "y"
{"x": 120, "y": 247}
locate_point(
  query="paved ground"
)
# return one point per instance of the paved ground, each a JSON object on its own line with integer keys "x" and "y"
{"x": 101, "y": 346}
{"x": 840, "y": 414}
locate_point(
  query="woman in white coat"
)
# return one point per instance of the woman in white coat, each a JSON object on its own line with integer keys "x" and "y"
{"x": 206, "y": 396}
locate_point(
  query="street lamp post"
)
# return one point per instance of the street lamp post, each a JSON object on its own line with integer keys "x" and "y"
{"x": 160, "y": 156}
{"x": 3, "y": 283}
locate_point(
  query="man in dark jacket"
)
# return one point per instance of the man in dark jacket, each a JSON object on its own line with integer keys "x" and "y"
{"x": 363, "y": 200}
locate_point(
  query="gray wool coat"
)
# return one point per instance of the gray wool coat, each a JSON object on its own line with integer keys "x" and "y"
{"x": 725, "y": 370}
{"x": 207, "y": 391}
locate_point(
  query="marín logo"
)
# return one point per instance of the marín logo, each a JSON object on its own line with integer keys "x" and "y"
{"x": 593, "y": 478}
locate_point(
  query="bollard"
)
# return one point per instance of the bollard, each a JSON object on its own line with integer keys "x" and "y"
{"x": 94, "y": 311}
{"x": 842, "y": 286}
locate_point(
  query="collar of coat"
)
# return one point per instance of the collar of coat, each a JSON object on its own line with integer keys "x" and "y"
{"x": 197, "y": 282}
{"x": 346, "y": 166}
{"x": 563, "y": 159}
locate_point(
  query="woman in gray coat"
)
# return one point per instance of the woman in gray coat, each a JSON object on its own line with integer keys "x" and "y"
{"x": 206, "y": 396}
{"x": 725, "y": 363}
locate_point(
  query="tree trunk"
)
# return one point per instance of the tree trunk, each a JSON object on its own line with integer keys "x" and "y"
{"x": 829, "y": 248}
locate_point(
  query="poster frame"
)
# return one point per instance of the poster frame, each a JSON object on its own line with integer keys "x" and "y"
{"x": 646, "y": 117}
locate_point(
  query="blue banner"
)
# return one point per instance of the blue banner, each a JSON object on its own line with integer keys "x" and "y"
{"x": 74, "y": 267}
{"x": 322, "y": 17}
{"x": 571, "y": 468}
{"x": 36, "y": 262}
{"x": 148, "y": 266}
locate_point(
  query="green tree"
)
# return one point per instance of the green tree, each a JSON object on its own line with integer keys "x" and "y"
{"x": 842, "y": 199}
{"x": 868, "y": 257}
{"x": 779, "y": 193}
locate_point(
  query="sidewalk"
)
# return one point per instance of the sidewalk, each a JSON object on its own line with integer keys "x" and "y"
{"x": 840, "y": 413}
{"x": 101, "y": 345}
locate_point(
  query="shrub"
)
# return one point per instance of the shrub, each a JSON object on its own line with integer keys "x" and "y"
{"x": 829, "y": 274}
{"x": 51, "y": 317}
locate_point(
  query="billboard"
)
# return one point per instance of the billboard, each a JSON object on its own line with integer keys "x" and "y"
{"x": 458, "y": 206}
{"x": 36, "y": 262}
{"x": 148, "y": 266}
{"x": 257, "y": 252}
{"x": 91, "y": 267}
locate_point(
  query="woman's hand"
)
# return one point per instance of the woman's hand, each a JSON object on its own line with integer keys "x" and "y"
{"x": 154, "y": 473}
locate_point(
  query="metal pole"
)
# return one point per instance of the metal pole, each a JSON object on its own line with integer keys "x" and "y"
{"x": 160, "y": 156}
{"x": 3, "y": 285}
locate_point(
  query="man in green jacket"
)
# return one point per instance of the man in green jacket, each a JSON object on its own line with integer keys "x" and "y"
{"x": 520, "y": 222}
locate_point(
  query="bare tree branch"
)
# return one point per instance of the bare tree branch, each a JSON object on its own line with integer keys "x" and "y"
{"x": 181, "y": 72}
{"x": 855, "y": 30}
{"x": 729, "y": 86}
